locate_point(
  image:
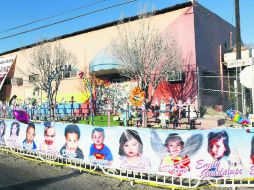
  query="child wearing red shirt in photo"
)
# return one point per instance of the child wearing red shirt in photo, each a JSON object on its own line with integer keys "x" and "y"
{"x": 99, "y": 152}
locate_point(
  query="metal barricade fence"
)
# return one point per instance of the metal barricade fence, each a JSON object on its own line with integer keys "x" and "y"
{"x": 148, "y": 178}
{"x": 129, "y": 117}
{"x": 61, "y": 112}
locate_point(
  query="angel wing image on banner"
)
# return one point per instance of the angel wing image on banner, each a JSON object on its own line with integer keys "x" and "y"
{"x": 192, "y": 144}
{"x": 157, "y": 144}
{"x": 175, "y": 153}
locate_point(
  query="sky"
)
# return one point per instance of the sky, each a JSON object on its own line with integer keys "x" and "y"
{"x": 15, "y": 13}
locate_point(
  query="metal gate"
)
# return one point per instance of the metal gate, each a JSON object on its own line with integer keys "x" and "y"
{"x": 224, "y": 92}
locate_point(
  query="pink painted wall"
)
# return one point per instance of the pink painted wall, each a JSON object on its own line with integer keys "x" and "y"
{"x": 184, "y": 31}
{"x": 182, "y": 28}
{"x": 199, "y": 36}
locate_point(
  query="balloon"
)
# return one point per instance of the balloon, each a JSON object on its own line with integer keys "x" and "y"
{"x": 237, "y": 117}
{"x": 21, "y": 116}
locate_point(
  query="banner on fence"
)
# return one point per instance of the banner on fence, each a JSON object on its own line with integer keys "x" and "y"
{"x": 199, "y": 154}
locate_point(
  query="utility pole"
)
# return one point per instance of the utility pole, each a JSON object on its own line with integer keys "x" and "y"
{"x": 238, "y": 30}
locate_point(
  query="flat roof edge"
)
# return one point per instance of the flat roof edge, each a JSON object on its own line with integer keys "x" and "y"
{"x": 102, "y": 26}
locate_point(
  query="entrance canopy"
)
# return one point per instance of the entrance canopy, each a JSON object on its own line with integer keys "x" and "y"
{"x": 104, "y": 63}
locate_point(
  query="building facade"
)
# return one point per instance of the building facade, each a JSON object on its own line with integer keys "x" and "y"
{"x": 198, "y": 31}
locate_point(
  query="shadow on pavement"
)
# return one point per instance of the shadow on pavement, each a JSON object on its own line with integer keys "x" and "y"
{"x": 41, "y": 182}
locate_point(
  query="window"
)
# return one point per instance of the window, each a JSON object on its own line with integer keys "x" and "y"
{"x": 36, "y": 91}
{"x": 33, "y": 78}
{"x": 71, "y": 73}
{"x": 66, "y": 74}
{"x": 74, "y": 73}
{"x": 17, "y": 81}
{"x": 175, "y": 76}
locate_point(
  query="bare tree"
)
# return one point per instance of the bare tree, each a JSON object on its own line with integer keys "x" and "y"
{"x": 146, "y": 54}
{"x": 48, "y": 61}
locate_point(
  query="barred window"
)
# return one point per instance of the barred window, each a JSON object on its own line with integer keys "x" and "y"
{"x": 175, "y": 76}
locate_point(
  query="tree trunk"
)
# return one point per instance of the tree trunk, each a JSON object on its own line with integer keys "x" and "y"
{"x": 144, "y": 122}
{"x": 52, "y": 111}
{"x": 51, "y": 108}
{"x": 91, "y": 110}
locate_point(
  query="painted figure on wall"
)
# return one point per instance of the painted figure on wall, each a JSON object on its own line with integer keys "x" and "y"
{"x": 163, "y": 117}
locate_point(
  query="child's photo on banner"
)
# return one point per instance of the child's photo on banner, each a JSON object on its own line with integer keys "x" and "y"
{"x": 70, "y": 149}
{"x": 13, "y": 139}
{"x": 2, "y": 132}
{"x": 48, "y": 145}
{"x": 201, "y": 154}
{"x": 99, "y": 152}
{"x": 131, "y": 152}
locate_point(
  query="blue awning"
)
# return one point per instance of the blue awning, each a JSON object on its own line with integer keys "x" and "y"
{"x": 104, "y": 63}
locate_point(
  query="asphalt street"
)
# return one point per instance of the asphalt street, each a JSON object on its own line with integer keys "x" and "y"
{"x": 20, "y": 174}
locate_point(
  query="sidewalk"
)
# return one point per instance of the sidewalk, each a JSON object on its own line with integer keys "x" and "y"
{"x": 216, "y": 122}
